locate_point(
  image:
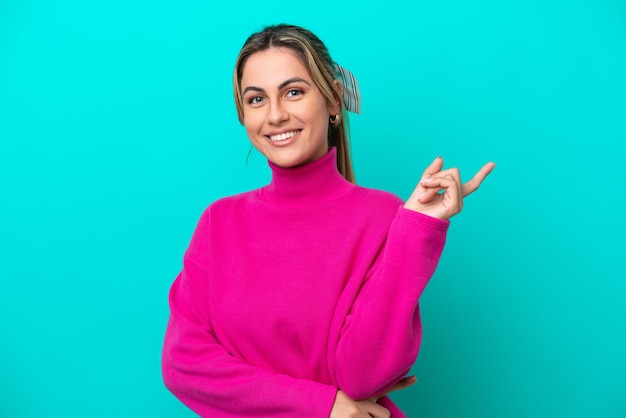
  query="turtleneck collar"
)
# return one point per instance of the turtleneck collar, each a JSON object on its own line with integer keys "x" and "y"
{"x": 307, "y": 184}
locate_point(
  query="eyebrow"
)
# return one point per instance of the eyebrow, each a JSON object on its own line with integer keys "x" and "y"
{"x": 280, "y": 86}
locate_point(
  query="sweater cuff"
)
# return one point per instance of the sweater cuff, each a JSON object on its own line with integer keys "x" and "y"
{"x": 422, "y": 219}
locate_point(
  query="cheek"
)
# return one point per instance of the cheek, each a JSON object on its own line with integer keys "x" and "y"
{"x": 315, "y": 115}
{"x": 252, "y": 122}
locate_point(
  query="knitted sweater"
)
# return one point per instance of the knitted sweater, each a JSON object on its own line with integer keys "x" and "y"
{"x": 294, "y": 290}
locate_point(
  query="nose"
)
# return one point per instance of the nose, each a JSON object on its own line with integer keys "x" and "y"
{"x": 277, "y": 113}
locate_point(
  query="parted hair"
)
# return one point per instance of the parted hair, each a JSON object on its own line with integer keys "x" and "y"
{"x": 315, "y": 57}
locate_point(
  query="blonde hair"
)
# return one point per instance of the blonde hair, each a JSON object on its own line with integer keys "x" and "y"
{"x": 315, "y": 57}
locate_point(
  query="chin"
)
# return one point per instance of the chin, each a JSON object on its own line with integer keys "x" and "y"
{"x": 288, "y": 162}
{"x": 287, "y": 159}
{"x": 293, "y": 155}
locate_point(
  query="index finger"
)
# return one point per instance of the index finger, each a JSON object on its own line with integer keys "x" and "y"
{"x": 473, "y": 184}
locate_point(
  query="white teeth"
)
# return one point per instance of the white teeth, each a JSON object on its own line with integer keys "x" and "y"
{"x": 283, "y": 136}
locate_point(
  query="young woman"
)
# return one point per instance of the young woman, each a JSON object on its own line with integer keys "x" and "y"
{"x": 300, "y": 299}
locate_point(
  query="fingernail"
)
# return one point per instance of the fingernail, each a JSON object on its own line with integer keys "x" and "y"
{"x": 411, "y": 379}
{"x": 421, "y": 196}
{"x": 436, "y": 159}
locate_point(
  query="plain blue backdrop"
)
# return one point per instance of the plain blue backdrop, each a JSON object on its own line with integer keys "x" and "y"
{"x": 118, "y": 127}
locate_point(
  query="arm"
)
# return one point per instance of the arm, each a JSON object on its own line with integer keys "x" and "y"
{"x": 210, "y": 380}
{"x": 382, "y": 334}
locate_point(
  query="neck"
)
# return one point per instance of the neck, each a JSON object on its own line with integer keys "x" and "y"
{"x": 307, "y": 184}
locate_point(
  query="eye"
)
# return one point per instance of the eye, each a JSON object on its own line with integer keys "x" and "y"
{"x": 294, "y": 93}
{"x": 255, "y": 100}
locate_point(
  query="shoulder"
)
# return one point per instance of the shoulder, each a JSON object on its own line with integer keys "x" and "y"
{"x": 226, "y": 206}
{"x": 222, "y": 211}
{"x": 379, "y": 199}
{"x": 368, "y": 207}
{"x": 230, "y": 204}
{"x": 234, "y": 200}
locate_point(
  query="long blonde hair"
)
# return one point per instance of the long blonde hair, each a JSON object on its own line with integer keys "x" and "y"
{"x": 315, "y": 57}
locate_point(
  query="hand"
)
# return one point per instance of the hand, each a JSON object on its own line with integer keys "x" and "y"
{"x": 402, "y": 384}
{"x": 344, "y": 407}
{"x": 427, "y": 199}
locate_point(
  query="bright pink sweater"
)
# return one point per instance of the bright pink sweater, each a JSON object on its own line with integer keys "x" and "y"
{"x": 296, "y": 289}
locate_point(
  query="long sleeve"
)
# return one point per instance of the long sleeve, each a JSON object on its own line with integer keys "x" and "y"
{"x": 211, "y": 381}
{"x": 381, "y": 335}
{"x": 295, "y": 290}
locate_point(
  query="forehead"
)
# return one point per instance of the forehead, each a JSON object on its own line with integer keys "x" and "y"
{"x": 272, "y": 66}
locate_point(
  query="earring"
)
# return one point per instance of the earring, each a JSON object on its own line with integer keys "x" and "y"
{"x": 334, "y": 119}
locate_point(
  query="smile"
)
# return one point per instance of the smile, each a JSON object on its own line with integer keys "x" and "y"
{"x": 283, "y": 136}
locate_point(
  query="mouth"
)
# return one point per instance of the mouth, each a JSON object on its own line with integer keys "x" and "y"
{"x": 283, "y": 136}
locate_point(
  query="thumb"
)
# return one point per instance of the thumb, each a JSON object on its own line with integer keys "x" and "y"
{"x": 434, "y": 167}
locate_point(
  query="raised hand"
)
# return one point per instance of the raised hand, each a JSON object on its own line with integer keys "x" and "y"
{"x": 440, "y": 192}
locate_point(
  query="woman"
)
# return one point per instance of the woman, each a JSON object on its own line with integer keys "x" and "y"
{"x": 300, "y": 299}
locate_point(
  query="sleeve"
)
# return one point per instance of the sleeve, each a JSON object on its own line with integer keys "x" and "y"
{"x": 381, "y": 335}
{"x": 211, "y": 381}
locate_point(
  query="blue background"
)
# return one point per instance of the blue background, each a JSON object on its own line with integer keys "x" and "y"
{"x": 117, "y": 128}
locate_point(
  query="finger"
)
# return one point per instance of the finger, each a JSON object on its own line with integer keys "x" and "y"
{"x": 473, "y": 185}
{"x": 451, "y": 198}
{"x": 453, "y": 171}
{"x": 433, "y": 168}
{"x": 450, "y": 173}
{"x": 377, "y": 411}
{"x": 426, "y": 190}
{"x": 421, "y": 193}
{"x": 402, "y": 384}
{"x": 429, "y": 194}
{"x": 439, "y": 182}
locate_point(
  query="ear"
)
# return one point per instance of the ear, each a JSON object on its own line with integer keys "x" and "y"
{"x": 335, "y": 107}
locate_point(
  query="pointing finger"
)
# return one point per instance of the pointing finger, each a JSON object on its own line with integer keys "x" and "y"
{"x": 472, "y": 185}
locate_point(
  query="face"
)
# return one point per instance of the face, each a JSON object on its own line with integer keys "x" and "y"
{"x": 285, "y": 115}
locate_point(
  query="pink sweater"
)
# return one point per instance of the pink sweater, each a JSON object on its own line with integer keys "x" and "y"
{"x": 296, "y": 289}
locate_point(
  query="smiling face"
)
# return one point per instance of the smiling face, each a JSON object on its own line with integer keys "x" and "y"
{"x": 285, "y": 114}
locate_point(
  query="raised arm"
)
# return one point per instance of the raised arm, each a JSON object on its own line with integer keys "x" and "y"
{"x": 381, "y": 336}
